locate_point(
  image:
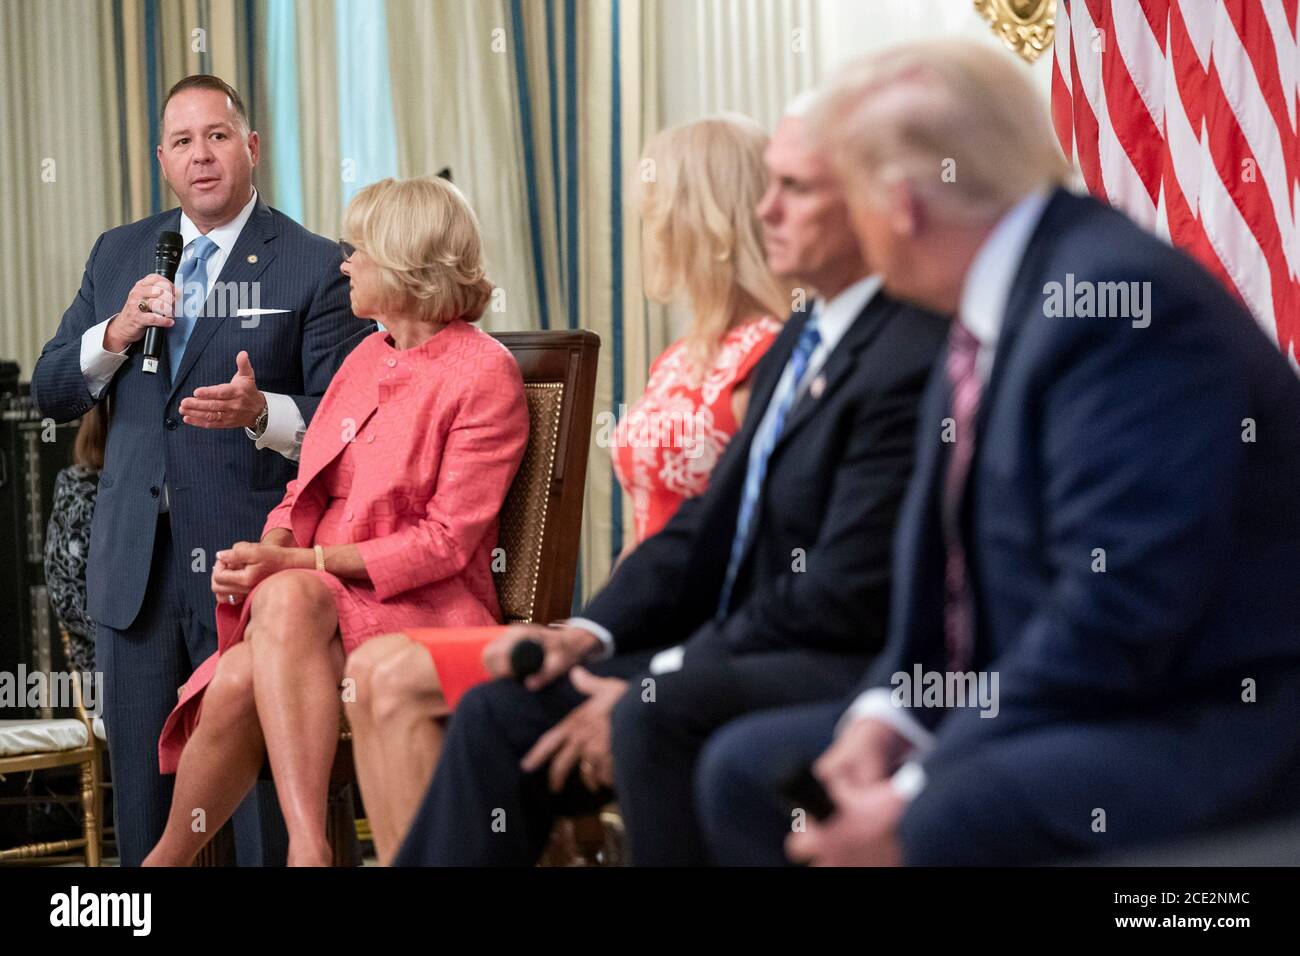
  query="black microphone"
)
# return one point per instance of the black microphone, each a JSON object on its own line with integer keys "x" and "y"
{"x": 801, "y": 790}
{"x": 526, "y": 659}
{"x": 166, "y": 257}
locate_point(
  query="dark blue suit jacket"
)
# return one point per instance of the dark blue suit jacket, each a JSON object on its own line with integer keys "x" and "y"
{"x": 817, "y": 571}
{"x": 1174, "y": 448}
{"x": 221, "y": 487}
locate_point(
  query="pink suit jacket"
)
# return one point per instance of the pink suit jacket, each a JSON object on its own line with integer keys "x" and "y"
{"x": 443, "y": 429}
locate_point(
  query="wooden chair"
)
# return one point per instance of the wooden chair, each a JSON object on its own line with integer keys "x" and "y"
{"x": 28, "y": 745}
{"x": 541, "y": 520}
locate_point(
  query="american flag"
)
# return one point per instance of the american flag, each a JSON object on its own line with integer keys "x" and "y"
{"x": 1183, "y": 114}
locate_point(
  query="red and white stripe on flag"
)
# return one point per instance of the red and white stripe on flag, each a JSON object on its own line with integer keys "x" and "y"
{"x": 1183, "y": 114}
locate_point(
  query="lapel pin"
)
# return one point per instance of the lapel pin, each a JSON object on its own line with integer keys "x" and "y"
{"x": 252, "y": 259}
{"x": 817, "y": 387}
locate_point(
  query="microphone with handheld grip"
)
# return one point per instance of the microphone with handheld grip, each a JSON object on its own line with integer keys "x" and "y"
{"x": 166, "y": 257}
{"x": 526, "y": 659}
{"x": 801, "y": 790}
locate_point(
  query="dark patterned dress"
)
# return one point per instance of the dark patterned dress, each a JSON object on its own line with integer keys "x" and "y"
{"x": 67, "y": 543}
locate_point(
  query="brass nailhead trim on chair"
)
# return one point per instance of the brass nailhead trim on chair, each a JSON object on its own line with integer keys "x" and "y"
{"x": 525, "y": 512}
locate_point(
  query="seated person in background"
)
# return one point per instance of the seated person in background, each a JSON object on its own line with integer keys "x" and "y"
{"x": 390, "y": 523}
{"x": 702, "y": 242}
{"x": 771, "y": 587}
{"x": 67, "y": 541}
{"x": 1105, "y": 555}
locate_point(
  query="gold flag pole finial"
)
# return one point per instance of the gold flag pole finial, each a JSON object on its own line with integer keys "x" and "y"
{"x": 1025, "y": 26}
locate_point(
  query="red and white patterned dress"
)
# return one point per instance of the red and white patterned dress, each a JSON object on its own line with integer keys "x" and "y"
{"x": 666, "y": 445}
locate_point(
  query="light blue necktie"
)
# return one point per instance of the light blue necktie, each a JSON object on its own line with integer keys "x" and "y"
{"x": 193, "y": 282}
{"x": 761, "y": 450}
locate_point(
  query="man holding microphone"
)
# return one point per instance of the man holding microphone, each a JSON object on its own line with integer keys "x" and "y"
{"x": 204, "y": 434}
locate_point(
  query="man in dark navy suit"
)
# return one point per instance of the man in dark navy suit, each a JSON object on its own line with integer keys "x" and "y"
{"x": 1095, "y": 642}
{"x": 200, "y": 451}
{"x": 772, "y": 586}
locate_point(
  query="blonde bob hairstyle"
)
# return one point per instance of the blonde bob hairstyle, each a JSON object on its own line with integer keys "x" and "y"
{"x": 960, "y": 123}
{"x": 699, "y": 187}
{"x": 425, "y": 240}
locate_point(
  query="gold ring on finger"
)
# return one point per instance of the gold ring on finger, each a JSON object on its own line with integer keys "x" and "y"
{"x": 144, "y": 305}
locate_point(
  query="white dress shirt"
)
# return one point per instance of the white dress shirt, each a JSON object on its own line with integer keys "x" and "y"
{"x": 982, "y": 311}
{"x": 284, "y": 422}
{"x": 833, "y": 320}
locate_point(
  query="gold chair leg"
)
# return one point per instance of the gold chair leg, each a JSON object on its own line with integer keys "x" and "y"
{"x": 89, "y": 807}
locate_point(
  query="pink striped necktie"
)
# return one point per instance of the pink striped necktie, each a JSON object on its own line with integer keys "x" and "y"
{"x": 964, "y": 388}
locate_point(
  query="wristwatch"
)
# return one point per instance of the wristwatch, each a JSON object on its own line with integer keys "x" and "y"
{"x": 259, "y": 426}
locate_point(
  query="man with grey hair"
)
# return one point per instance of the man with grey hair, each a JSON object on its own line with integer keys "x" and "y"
{"x": 1102, "y": 518}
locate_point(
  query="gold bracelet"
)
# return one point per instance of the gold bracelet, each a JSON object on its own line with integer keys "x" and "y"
{"x": 320, "y": 557}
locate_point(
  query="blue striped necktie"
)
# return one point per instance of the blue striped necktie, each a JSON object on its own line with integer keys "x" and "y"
{"x": 761, "y": 451}
{"x": 193, "y": 282}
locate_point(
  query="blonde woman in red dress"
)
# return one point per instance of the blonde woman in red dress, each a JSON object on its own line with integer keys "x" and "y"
{"x": 390, "y": 524}
{"x": 702, "y": 247}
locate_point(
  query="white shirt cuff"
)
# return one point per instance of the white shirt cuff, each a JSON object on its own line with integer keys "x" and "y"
{"x": 668, "y": 661}
{"x": 284, "y": 426}
{"x": 908, "y": 780}
{"x": 878, "y": 705}
{"x": 602, "y": 634}
{"x": 98, "y": 366}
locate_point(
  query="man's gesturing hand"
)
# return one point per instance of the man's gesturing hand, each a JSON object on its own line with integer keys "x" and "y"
{"x": 234, "y": 405}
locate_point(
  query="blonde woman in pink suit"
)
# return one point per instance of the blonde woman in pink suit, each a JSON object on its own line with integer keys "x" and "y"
{"x": 390, "y": 523}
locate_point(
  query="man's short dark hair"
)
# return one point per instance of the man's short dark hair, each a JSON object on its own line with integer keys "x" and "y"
{"x": 206, "y": 81}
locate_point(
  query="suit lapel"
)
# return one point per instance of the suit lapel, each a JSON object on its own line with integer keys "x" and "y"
{"x": 778, "y": 358}
{"x": 255, "y": 242}
{"x": 773, "y": 366}
{"x": 842, "y": 361}
{"x": 357, "y": 400}
{"x": 1020, "y": 300}
{"x": 729, "y": 473}
{"x": 1025, "y": 290}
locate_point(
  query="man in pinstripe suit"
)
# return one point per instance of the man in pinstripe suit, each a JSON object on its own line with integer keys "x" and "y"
{"x": 199, "y": 452}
